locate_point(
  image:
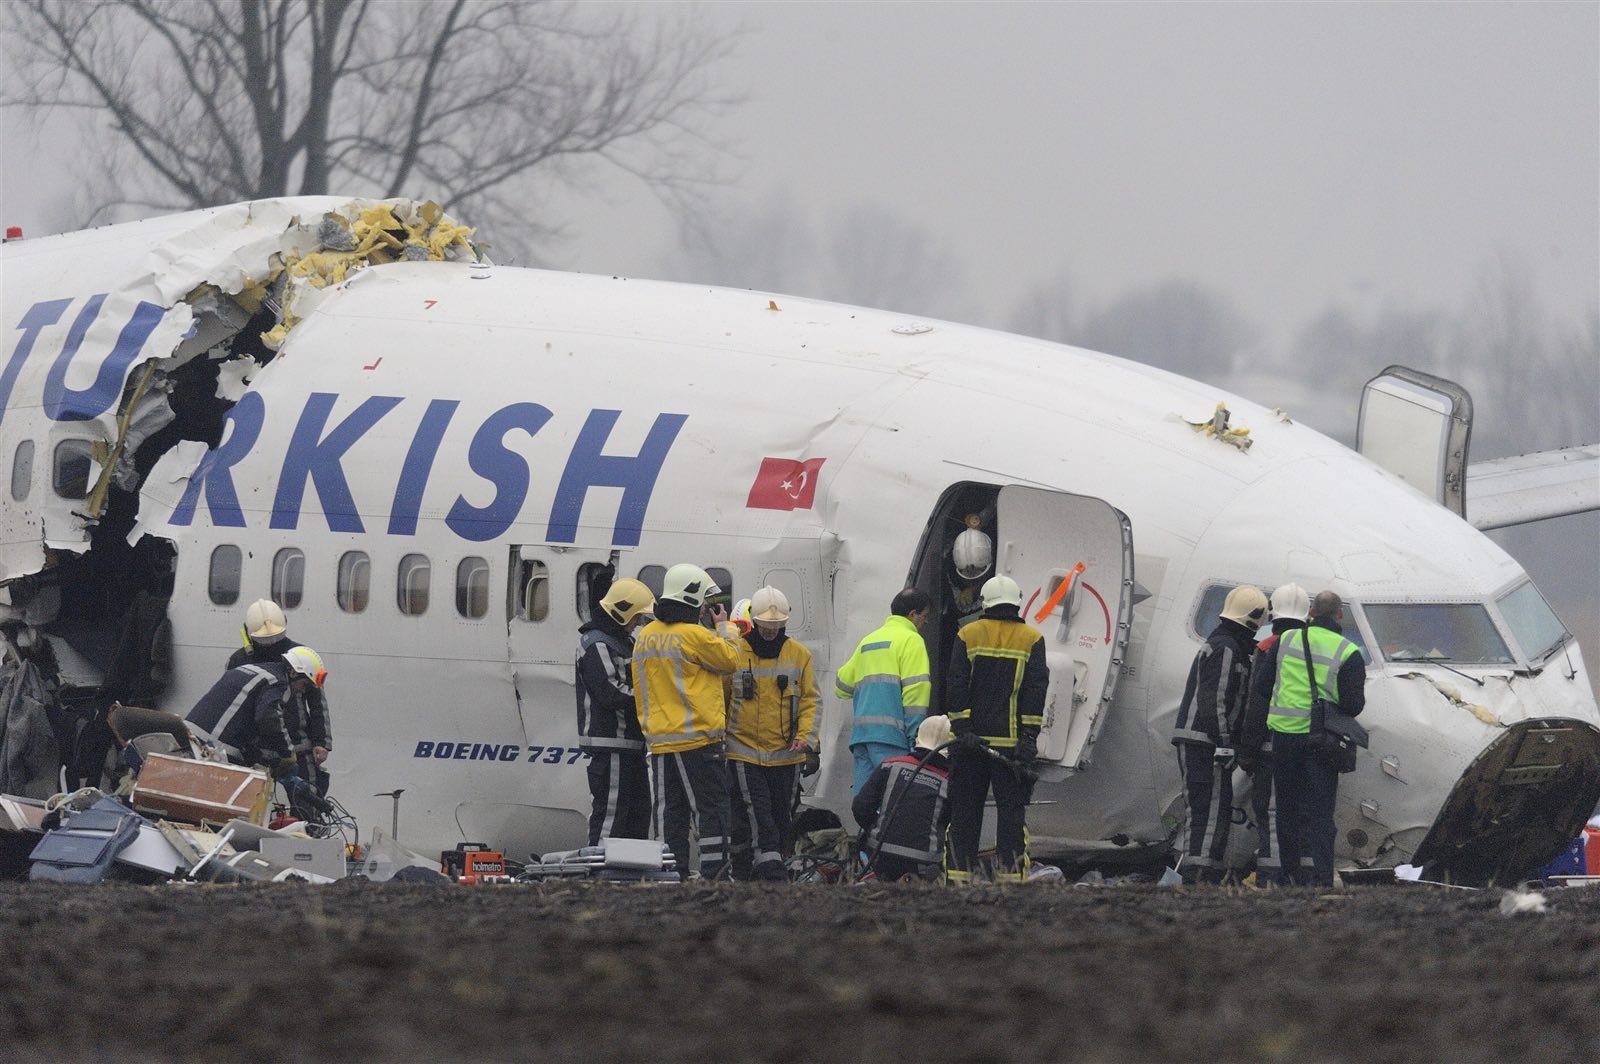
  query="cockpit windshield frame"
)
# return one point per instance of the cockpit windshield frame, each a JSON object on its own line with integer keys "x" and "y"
{"x": 1453, "y": 633}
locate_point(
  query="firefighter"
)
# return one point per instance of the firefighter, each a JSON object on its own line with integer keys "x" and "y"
{"x": 998, "y": 680}
{"x": 1289, "y": 607}
{"x": 247, "y": 708}
{"x": 678, "y": 666}
{"x": 608, "y": 719}
{"x": 1305, "y": 774}
{"x": 772, "y": 727}
{"x": 265, "y": 638}
{"x": 903, "y": 810}
{"x": 886, "y": 681}
{"x": 1208, "y": 725}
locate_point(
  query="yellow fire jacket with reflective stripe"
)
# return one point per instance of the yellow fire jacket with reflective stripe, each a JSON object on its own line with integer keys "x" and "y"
{"x": 677, "y": 679}
{"x": 760, "y": 729}
{"x": 1290, "y": 711}
{"x": 887, "y": 680}
{"x": 998, "y": 681}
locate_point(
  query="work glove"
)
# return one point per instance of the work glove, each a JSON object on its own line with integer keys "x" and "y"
{"x": 1248, "y": 762}
{"x": 970, "y": 742}
{"x": 812, "y": 764}
{"x": 1027, "y": 750}
{"x": 1225, "y": 758}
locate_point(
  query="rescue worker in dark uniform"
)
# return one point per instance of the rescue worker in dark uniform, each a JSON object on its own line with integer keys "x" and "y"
{"x": 1305, "y": 776}
{"x": 1209, "y": 720}
{"x": 245, "y": 708}
{"x": 266, "y": 640}
{"x": 1290, "y": 605}
{"x": 608, "y": 720}
{"x": 772, "y": 726}
{"x": 909, "y": 845}
{"x": 998, "y": 679}
{"x": 678, "y": 667}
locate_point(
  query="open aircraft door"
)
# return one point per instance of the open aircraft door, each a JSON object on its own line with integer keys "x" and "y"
{"x": 1418, "y": 426}
{"x": 1044, "y": 538}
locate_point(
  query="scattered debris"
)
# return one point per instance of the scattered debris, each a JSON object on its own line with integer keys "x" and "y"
{"x": 1217, "y": 426}
{"x": 1516, "y": 902}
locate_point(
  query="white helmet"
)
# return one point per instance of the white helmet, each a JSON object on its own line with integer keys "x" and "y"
{"x": 1246, "y": 605}
{"x": 933, "y": 732}
{"x": 1290, "y": 602}
{"x": 626, "y": 599}
{"x": 688, "y": 584}
{"x": 1001, "y": 591}
{"x": 307, "y": 663}
{"x": 264, "y": 622}
{"x": 973, "y": 553}
{"x": 770, "y": 605}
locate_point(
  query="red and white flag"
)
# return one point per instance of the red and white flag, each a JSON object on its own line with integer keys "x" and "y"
{"x": 785, "y": 484}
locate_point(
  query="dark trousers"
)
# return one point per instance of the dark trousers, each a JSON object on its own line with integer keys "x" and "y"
{"x": 971, "y": 776}
{"x": 619, "y": 786}
{"x": 762, "y": 804}
{"x": 1265, "y": 813}
{"x": 691, "y": 804}
{"x": 1208, "y": 786}
{"x": 1306, "y": 783}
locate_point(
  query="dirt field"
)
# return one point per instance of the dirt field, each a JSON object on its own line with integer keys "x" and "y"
{"x": 789, "y": 973}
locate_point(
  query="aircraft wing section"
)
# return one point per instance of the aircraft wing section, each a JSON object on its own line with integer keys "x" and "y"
{"x": 1532, "y": 487}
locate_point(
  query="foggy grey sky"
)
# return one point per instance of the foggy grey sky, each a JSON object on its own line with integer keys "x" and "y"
{"x": 1291, "y": 155}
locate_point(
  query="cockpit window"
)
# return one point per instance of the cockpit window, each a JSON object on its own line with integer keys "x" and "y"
{"x": 1533, "y": 623}
{"x": 1458, "y": 632}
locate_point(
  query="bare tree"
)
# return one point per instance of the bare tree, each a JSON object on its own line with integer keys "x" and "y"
{"x": 468, "y": 102}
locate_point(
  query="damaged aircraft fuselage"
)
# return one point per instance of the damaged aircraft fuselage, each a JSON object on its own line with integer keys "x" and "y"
{"x": 426, "y": 459}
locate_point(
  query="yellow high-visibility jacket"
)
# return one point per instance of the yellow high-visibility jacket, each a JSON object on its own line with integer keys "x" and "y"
{"x": 677, "y": 680}
{"x": 762, "y": 727}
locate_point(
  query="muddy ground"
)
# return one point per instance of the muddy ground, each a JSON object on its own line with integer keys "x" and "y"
{"x": 577, "y": 971}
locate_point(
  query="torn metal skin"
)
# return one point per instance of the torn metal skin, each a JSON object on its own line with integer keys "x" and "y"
{"x": 139, "y": 341}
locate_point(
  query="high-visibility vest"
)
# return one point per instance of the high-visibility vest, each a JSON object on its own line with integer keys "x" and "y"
{"x": 1290, "y": 710}
{"x": 886, "y": 679}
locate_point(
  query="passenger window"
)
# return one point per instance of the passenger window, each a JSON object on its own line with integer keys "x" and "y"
{"x": 533, "y": 590}
{"x": 355, "y": 581}
{"x": 288, "y": 577}
{"x": 591, "y": 576}
{"x": 411, "y": 584}
{"x": 652, "y": 577}
{"x": 74, "y": 459}
{"x": 22, "y": 470}
{"x": 472, "y": 588}
{"x": 723, "y": 579}
{"x": 223, "y": 585}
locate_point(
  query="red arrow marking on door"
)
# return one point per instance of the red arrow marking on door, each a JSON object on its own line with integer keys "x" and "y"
{"x": 1031, "y": 597}
{"x": 1103, "y": 609}
{"x": 374, "y": 364}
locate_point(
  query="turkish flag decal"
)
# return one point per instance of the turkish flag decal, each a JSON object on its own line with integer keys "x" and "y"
{"x": 785, "y": 484}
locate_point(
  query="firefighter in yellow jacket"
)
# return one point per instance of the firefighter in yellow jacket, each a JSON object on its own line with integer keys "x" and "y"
{"x": 772, "y": 726}
{"x": 997, "y": 684}
{"x": 678, "y": 667}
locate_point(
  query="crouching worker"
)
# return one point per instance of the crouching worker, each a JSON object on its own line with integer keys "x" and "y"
{"x": 772, "y": 727}
{"x": 903, "y": 810}
{"x": 254, "y": 711}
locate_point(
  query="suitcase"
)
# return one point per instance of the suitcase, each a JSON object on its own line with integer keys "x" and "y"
{"x": 178, "y": 788}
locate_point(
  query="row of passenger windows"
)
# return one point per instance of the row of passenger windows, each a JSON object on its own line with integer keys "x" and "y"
{"x": 69, "y": 470}
{"x": 413, "y": 583}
